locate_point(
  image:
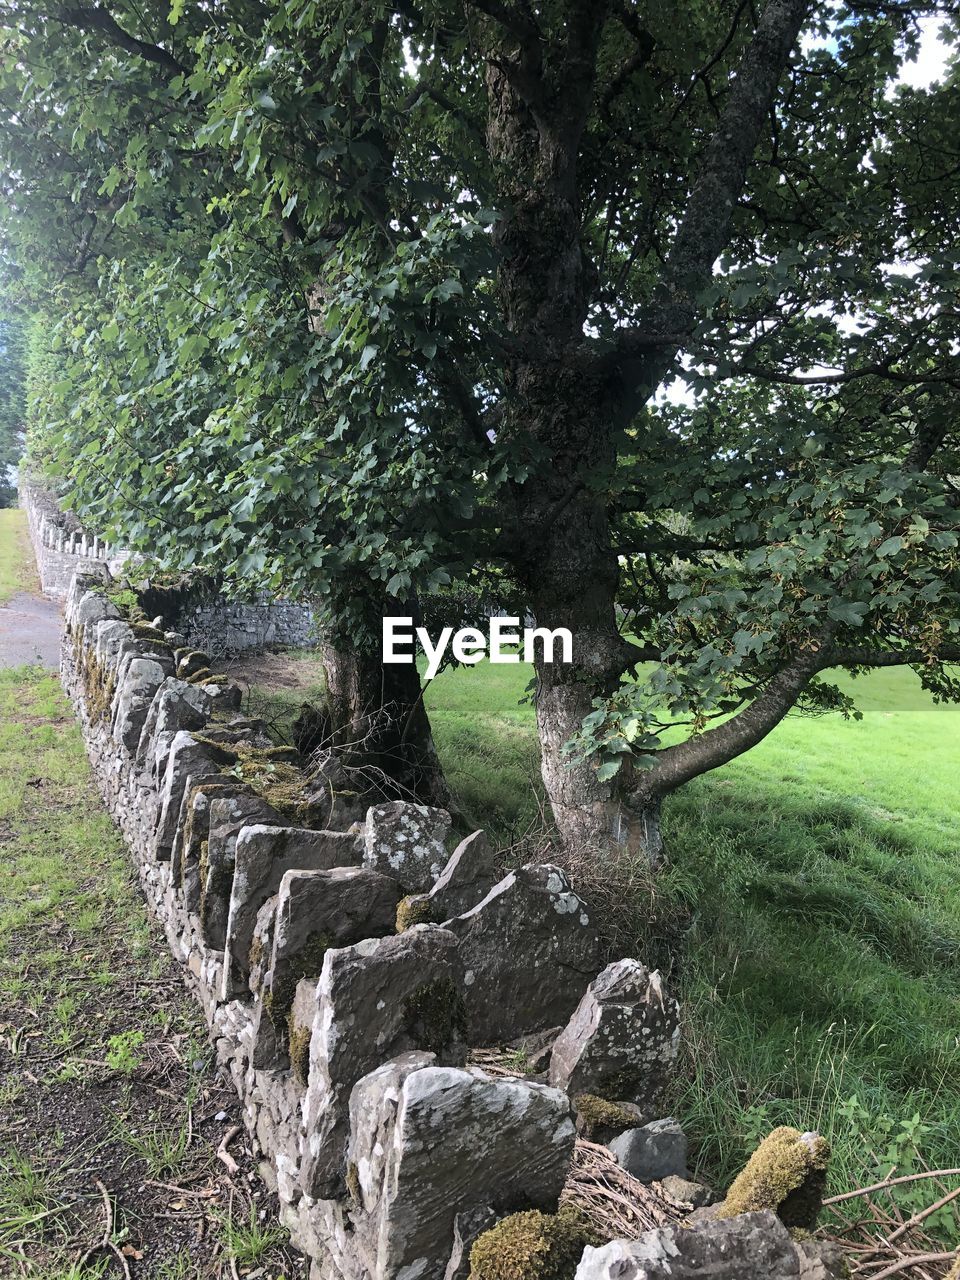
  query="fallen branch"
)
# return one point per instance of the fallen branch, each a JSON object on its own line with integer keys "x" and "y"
{"x": 892, "y": 1182}
{"x": 223, "y": 1154}
{"x": 105, "y": 1242}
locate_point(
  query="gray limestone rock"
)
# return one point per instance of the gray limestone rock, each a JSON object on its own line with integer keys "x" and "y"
{"x": 429, "y": 1144}
{"x": 228, "y": 815}
{"x": 469, "y": 875}
{"x": 753, "y": 1245}
{"x": 177, "y": 705}
{"x": 406, "y": 841}
{"x": 136, "y": 687}
{"x": 466, "y": 1227}
{"x": 262, "y": 855}
{"x": 315, "y": 910}
{"x": 529, "y": 949}
{"x": 622, "y": 1040}
{"x": 657, "y": 1150}
{"x": 378, "y": 999}
{"x": 187, "y": 759}
{"x": 696, "y": 1194}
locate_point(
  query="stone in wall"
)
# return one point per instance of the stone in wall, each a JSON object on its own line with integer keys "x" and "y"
{"x": 753, "y": 1245}
{"x": 315, "y": 910}
{"x": 428, "y": 1143}
{"x": 188, "y": 760}
{"x": 138, "y": 680}
{"x": 177, "y": 706}
{"x": 529, "y": 949}
{"x": 378, "y": 999}
{"x": 469, "y": 875}
{"x": 262, "y": 855}
{"x": 228, "y": 815}
{"x": 622, "y": 1041}
{"x": 406, "y": 841}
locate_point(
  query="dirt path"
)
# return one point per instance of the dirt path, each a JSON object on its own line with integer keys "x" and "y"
{"x": 29, "y": 622}
{"x": 30, "y": 631}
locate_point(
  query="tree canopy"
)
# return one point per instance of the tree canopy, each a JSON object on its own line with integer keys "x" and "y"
{"x": 646, "y": 315}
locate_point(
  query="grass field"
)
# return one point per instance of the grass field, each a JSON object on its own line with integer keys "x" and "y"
{"x": 16, "y": 560}
{"x": 811, "y": 917}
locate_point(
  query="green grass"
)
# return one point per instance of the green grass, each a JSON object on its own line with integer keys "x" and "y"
{"x": 810, "y": 916}
{"x": 16, "y": 558}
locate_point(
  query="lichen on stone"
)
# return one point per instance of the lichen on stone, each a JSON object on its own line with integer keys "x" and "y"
{"x": 787, "y": 1173}
{"x": 532, "y": 1246}
{"x": 415, "y": 909}
{"x": 435, "y": 1015}
{"x": 352, "y": 1179}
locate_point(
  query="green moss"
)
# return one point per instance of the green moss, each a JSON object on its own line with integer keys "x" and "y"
{"x": 256, "y": 955}
{"x": 598, "y": 1113}
{"x": 307, "y": 963}
{"x": 352, "y": 1179}
{"x": 299, "y": 1051}
{"x": 200, "y": 677}
{"x": 787, "y": 1173}
{"x": 415, "y": 909}
{"x": 99, "y": 683}
{"x": 435, "y": 1015}
{"x": 532, "y": 1246}
{"x": 146, "y": 632}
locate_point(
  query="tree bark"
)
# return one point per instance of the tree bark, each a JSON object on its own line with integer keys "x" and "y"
{"x": 380, "y": 730}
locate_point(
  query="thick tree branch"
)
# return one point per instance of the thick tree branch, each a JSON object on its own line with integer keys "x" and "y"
{"x": 849, "y": 656}
{"x": 705, "y": 228}
{"x": 678, "y": 764}
{"x": 102, "y": 21}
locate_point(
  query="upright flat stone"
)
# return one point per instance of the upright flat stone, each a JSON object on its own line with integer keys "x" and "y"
{"x": 187, "y": 758}
{"x": 176, "y": 706}
{"x": 378, "y": 999}
{"x": 468, "y": 877}
{"x": 529, "y": 949}
{"x": 316, "y": 910}
{"x": 136, "y": 688}
{"x": 262, "y": 856}
{"x": 622, "y": 1041}
{"x": 228, "y": 816}
{"x": 406, "y": 841}
{"x": 429, "y": 1144}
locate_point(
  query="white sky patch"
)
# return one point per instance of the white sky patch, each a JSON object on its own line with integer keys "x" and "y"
{"x": 933, "y": 56}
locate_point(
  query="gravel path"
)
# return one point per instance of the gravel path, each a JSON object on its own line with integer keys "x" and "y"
{"x": 29, "y": 631}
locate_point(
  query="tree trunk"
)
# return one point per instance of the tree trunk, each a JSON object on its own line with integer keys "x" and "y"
{"x": 380, "y": 730}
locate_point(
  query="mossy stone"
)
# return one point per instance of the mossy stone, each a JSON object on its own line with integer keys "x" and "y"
{"x": 415, "y": 909}
{"x": 787, "y": 1173}
{"x": 435, "y": 1015}
{"x": 532, "y": 1246}
{"x": 594, "y": 1112}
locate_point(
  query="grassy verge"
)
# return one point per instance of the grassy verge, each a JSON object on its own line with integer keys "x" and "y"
{"x": 110, "y": 1109}
{"x": 810, "y": 919}
{"x": 16, "y": 558}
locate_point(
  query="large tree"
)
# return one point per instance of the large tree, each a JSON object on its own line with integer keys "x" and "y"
{"x": 453, "y": 256}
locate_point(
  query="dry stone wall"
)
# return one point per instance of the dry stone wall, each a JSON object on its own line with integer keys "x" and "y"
{"x": 205, "y": 618}
{"x": 350, "y": 1042}
{"x": 349, "y": 979}
{"x": 60, "y": 549}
